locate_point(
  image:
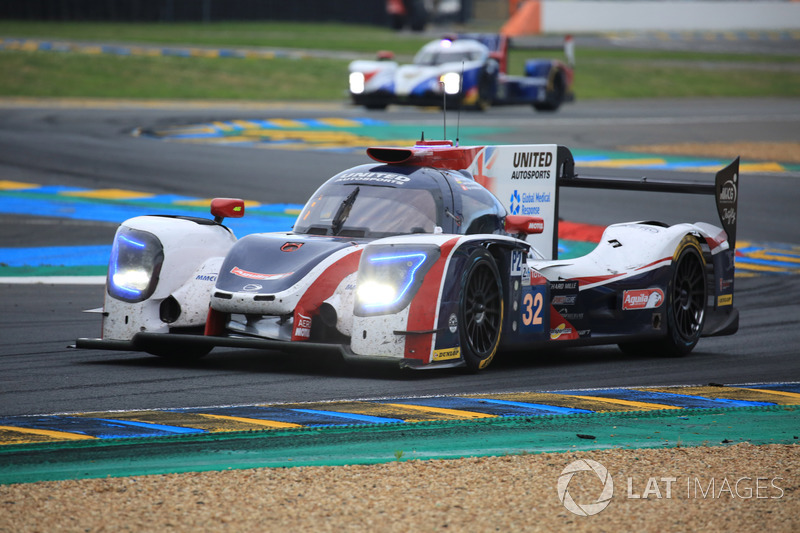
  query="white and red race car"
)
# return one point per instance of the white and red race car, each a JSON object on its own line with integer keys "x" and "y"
{"x": 431, "y": 256}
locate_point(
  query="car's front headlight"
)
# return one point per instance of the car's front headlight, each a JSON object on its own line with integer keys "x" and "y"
{"x": 390, "y": 276}
{"x": 357, "y": 82}
{"x": 135, "y": 264}
{"x": 451, "y": 82}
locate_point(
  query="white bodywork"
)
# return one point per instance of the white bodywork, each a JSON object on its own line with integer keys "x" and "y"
{"x": 375, "y": 75}
{"x": 192, "y": 256}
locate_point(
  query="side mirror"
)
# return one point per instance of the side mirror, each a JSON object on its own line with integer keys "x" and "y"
{"x": 524, "y": 224}
{"x": 223, "y": 208}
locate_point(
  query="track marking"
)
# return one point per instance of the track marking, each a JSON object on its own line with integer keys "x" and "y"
{"x": 58, "y": 435}
{"x": 628, "y": 403}
{"x": 441, "y": 410}
{"x": 254, "y": 421}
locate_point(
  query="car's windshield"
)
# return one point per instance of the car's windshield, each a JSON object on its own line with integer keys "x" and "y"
{"x": 367, "y": 211}
{"x": 441, "y": 56}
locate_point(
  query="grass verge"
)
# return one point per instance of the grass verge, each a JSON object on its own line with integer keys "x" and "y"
{"x": 600, "y": 73}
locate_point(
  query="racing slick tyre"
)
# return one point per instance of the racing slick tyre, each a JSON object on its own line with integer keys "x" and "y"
{"x": 555, "y": 96}
{"x": 686, "y": 304}
{"x": 480, "y": 310}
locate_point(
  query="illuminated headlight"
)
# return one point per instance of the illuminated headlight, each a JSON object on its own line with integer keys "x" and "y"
{"x": 390, "y": 276}
{"x": 452, "y": 82}
{"x": 136, "y": 259}
{"x": 356, "y": 82}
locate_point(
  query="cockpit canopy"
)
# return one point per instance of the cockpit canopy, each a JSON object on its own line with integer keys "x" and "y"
{"x": 447, "y": 51}
{"x": 381, "y": 201}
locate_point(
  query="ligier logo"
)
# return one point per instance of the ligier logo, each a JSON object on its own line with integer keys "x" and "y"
{"x": 642, "y": 299}
{"x": 585, "y": 509}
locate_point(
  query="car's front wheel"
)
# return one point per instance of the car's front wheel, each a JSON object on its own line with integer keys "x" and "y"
{"x": 480, "y": 310}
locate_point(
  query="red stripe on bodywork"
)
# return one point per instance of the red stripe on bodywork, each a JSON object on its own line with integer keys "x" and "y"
{"x": 323, "y": 288}
{"x": 654, "y": 263}
{"x": 422, "y": 313}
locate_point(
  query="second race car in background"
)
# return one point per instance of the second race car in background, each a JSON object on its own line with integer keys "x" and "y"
{"x": 469, "y": 70}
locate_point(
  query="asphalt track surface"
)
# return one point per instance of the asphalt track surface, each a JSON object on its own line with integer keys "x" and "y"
{"x": 92, "y": 146}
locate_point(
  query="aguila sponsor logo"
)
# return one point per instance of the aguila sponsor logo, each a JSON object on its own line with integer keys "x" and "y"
{"x": 642, "y": 299}
{"x": 256, "y": 275}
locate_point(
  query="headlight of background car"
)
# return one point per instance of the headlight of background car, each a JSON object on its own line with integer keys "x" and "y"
{"x": 356, "y": 82}
{"x": 452, "y": 82}
{"x": 136, "y": 259}
{"x": 390, "y": 276}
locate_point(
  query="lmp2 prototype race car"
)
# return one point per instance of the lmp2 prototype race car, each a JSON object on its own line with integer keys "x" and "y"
{"x": 414, "y": 259}
{"x": 469, "y": 71}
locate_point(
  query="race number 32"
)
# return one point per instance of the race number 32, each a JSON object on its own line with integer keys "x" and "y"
{"x": 532, "y": 304}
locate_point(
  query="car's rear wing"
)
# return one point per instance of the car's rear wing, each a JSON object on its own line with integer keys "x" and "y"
{"x": 526, "y": 178}
{"x": 725, "y": 188}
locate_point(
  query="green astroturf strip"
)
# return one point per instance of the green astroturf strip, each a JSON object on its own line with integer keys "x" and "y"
{"x": 373, "y": 444}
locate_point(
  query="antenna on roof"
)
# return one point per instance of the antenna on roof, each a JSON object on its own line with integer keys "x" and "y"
{"x": 444, "y": 109}
{"x": 460, "y": 101}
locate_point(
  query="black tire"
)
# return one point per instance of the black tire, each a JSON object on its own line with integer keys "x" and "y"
{"x": 485, "y": 85}
{"x": 480, "y": 310}
{"x": 376, "y": 107}
{"x": 555, "y": 96}
{"x": 687, "y": 298}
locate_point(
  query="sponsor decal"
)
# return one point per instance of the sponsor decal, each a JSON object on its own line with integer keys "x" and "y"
{"x": 560, "y": 330}
{"x": 564, "y": 285}
{"x": 291, "y": 246}
{"x": 532, "y": 159}
{"x": 206, "y": 277}
{"x": 302, "y": 326}
{"x": 642, "y": 299}
{"x": 564, "y": 300}
{"x": 570, "y": 316}
{"x": 725, "y": 284}
{"x": 727, "y": 193}
{"x": 727, "y": 197}
{"x": 251, "y": 287}
{"x": 452, "y": 323}
{"x": 725, "y": 299}
{"x": 256, "y": 275}
{"x": 375, "y": 177}
{"x": 446, "y": 354}
{"x": 528, "y": 203}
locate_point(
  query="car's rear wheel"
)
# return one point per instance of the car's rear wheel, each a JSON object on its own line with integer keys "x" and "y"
{"x": 555, "y": 95}
{"x": 686, "y": 305}
{"x": 480, "y": 310}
